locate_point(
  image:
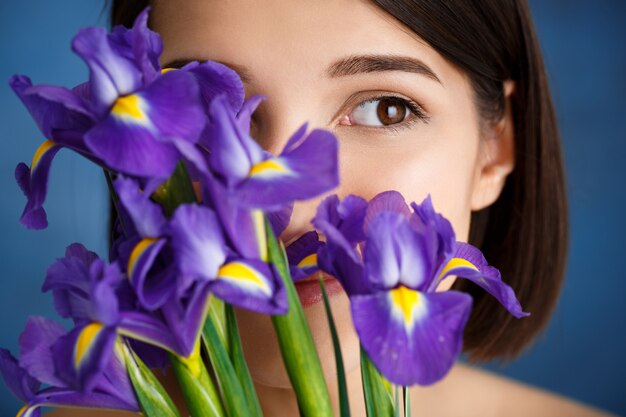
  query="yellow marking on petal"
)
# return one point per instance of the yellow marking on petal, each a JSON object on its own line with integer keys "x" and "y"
{"x": 129, "y": 107}
{"x": 310, "y": 260}
{"x": 269, "y": 166}
{"x": 455, "y": 263}
{"x": 22, "y": 410}
{"x": 261, "y": 238}
{"x": 41, "y": 150}
{"x": 192, "y": 362}
{"x": 242, "y": 272}
{"x": 405, "y": 299}
{"x": 138, "y": 250}
{"x": 164, "y": 70}
{"x": 85, "y": 340}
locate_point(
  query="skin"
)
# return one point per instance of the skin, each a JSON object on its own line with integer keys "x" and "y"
{"x": 459, "y": 159}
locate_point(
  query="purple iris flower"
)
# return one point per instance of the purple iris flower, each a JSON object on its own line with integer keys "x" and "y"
{"x": 307, "y": 166}
{"x": 175, "y": 264}
{"x": 46, "y": 356}
{"x": 131, "y": 116}
{"x": 99, "y": 299}
{"x": 146, "y": 252}
{"x": 390, "y": 260}
{"x": 203, "y": 256}
{"x": 302, "y": 255}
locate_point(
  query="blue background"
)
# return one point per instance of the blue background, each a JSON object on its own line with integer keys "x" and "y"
{"x": 581, "y": 355}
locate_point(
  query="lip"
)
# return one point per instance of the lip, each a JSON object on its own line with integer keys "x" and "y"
{"x": 309, "y": 290}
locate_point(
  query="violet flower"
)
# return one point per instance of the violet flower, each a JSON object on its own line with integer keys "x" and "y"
{"x": 307, "y": 166}
{"x": 302, "y": 255}
{"x": 44, "y": 358}
{"x": 123, "y": 118}
{"x": 175, "y": 264}
{"x": 98, "y": 298}
{"x": 390, "y": 261}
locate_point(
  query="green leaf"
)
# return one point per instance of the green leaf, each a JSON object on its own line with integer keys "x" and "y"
{"x": 232, "y": 393}
{"x": 344, "y": 404}
{"x": 153, "y": 399}
{"x": 378, "y": 401}
{"x": 407, "y": 402}
{"x": 177, "y": 190}
{"x": 296, "y": 342}
{"x": 239, "y": 363}
{"x": 397, "y": 401}
{"x": 217, "y": 315}
{"x": 195, "y": 382}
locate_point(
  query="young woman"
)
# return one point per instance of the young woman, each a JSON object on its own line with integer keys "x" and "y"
{"x": 446, "y": 98}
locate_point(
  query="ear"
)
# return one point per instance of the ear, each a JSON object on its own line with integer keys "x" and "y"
{"x": 496, "y": 158}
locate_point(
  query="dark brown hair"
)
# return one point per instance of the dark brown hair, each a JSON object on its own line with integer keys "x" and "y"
{"x": 525, "y": 232}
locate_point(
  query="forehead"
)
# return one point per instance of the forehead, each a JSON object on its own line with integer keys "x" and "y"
{"x": 276, "y": 37}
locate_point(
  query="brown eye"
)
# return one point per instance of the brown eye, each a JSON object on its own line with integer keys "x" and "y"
{"x": 382, "y": 111}
{"x": 390, "y": 111}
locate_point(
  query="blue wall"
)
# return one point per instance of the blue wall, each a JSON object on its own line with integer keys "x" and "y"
{"x": 581, "y": 353}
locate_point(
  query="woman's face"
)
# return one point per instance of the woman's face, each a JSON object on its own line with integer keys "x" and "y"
{"x": 408, "y": 123}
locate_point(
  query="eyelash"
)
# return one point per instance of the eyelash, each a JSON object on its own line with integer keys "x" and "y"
{"x": 415, "y": 108}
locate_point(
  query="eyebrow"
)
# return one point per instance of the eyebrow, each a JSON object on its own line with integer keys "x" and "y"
{"x": 365, "y": 64}
{"x": 350, "y": 65}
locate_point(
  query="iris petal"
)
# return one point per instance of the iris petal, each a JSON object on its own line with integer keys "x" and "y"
{"x": 82, "y": 355}
{"x": 192, "y": 313}
{"x": 17, "y": 379}
{"x": 62, "y": 397}
{"x": 131, "y": 148}
{"x": 302, "y": 255}
{"x": 35, "y": 341}
{"x": 387, "y": 201}
{"x": 146, "y": 45}
{"x": 469, "y": 263}
{"x": 199, "y": 241}
{"x": 394, "y": 252}
{"x": 147, "y": 216}
{"x": 34, "y": 183}
{"x": 251, "y": 284}
{"x": 233, "y": 151}
{"x": 147, "y": 329}
{"x": 111, "y": 73}
{"x": 153, "y": 278}
{"x": 281, "y": 180}
{"x": 411, "y": 340}
{"x": 56, "y": 110}
{"x": 215, "y": 78}
{"x": 174, "y": 107}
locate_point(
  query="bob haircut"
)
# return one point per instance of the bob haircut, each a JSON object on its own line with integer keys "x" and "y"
{"x": 524, "y": 233}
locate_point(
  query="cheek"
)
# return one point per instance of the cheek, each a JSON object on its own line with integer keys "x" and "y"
{"x": 442, "y": 165}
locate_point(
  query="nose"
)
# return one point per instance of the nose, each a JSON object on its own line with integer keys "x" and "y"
{"x": 276, "y": 120}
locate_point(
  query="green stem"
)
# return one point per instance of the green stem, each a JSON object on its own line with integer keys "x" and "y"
{"x": 344, "y": 404}
{"x": 407, "y": 401}
{"x": 153, "y": 398}
{"x": 195, "y": 382}
{"x": 232, "y": 392}
{"x": 239, "y": 362}
{"x": 378, "y": 401}
{"x": 296, "y": 343}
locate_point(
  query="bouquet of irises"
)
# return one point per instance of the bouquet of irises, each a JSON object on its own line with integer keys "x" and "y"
{"x": 199, "y": 207}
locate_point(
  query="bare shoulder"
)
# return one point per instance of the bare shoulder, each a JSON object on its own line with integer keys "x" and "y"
{"x": 496, "y": 395}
